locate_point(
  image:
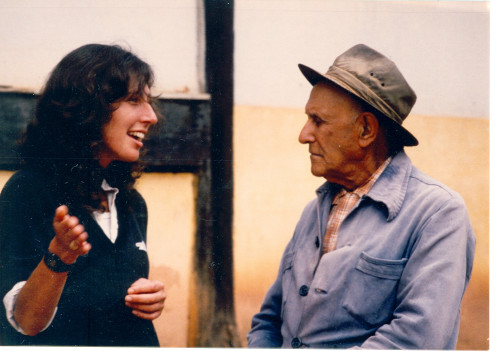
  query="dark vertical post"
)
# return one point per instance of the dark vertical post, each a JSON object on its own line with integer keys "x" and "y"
{"x": 212, "y": 315}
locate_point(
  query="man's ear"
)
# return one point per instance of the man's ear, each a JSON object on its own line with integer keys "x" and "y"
{"x": 369, "y": 127}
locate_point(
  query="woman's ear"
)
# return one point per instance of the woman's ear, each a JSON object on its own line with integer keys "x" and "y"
{"x": 369, "y": 128}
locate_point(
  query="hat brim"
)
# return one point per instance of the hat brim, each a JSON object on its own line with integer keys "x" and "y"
{"x": 397, "y": 130}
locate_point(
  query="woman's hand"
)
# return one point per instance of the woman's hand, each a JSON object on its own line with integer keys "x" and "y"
{"x": 146, "y": 298}
{"x": 70, "y": 240}
{"x": 40, "y": 296}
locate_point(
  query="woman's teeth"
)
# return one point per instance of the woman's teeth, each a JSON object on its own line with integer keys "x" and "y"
{"x": 137, "y": 135}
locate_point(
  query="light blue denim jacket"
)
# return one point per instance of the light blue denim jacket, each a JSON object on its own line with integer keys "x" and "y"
{"x": 396, "y": 280}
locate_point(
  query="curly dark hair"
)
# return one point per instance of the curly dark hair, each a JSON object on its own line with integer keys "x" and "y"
{"x": 75, "y": 104}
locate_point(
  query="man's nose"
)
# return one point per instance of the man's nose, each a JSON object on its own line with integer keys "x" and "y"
{"x": 306, "y": 135}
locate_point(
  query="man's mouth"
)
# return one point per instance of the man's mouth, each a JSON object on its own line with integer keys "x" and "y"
{"x": 139, "y": 136}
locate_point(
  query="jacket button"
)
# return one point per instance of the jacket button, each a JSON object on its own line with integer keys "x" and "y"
{"x": 304, "y": 290}
{"x": 316, "y": 242}
{"x": 296, "y": 343}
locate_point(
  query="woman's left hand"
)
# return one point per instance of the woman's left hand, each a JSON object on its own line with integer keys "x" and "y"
{"x": 146, "y": 298}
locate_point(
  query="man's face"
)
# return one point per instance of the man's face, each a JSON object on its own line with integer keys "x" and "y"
{"x": 332, "y": 133}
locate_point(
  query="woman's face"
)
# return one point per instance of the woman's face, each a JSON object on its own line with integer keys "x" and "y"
{"x": 123, "y": 135}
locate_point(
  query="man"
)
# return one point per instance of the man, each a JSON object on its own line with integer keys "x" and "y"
{"x": 381, "y": 258}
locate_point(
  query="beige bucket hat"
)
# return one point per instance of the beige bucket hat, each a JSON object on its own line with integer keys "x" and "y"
{"x": 375, "y": 79}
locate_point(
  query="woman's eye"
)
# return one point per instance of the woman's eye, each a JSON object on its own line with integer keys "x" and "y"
{"x": 134, "y": 99}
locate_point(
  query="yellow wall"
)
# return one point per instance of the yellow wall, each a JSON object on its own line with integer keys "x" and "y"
{"x": 171, "y": 229}
{"x": 272, "y": 185}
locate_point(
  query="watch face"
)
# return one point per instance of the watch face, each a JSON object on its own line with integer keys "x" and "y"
{"x": 55, "y": 264}
{"x": 51, "y": 262}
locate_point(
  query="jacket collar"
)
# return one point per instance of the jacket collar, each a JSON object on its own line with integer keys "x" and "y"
{"x": 389, "y": 189}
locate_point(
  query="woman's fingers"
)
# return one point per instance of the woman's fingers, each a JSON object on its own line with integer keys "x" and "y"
{"x": 146, "y": 311}
{"x": 61, "y": 211}
{"x": 71, "y": 238}
{"x": 147, "y": 308}
{"x": 147, "y": 316}
{"x": 144, "y": 285}
{"x": 146, "y": 298}
{"x": 80, "y": 243}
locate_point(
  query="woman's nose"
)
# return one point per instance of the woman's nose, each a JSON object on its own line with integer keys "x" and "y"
{"x": 149, "y": 115}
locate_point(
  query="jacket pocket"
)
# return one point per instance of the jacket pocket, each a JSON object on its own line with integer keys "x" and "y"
{"x": 371, "y": 290}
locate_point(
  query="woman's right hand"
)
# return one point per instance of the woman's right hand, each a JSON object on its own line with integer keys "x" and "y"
{"x": 70, "y": 240}
{"x": 39, "y": 297}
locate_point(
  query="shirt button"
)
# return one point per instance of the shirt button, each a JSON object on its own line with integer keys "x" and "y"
{"x": 296, "y": 343}
{"x": 304, "y": 290}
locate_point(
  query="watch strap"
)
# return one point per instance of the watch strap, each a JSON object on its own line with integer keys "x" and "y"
{"x": 54, "y": 263}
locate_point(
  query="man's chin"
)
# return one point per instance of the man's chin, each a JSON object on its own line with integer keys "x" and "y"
{"x": 317, "y": 172}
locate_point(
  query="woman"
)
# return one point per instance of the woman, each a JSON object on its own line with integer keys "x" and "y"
{"x": 73, "y": 261}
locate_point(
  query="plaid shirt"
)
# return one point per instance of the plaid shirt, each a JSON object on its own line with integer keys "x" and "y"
{"x": 342, "y": 205}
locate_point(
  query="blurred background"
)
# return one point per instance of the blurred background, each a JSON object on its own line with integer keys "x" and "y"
{"x": 442, "y": 48}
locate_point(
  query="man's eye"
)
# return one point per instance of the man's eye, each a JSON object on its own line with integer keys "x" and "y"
{"x": 317, "y": 120}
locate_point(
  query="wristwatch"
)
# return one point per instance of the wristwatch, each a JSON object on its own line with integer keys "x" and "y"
{"x": 54, "y": 263}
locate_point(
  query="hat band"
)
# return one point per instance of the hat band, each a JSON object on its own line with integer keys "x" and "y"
{"x": 352, "y": 84}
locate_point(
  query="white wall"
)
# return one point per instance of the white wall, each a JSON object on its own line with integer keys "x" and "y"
{"x": 35, "y": 35}
{"x": 442, "y": 48}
